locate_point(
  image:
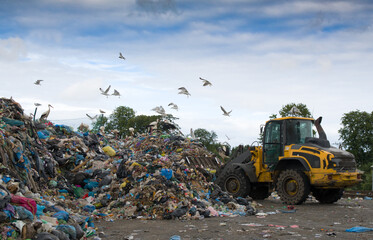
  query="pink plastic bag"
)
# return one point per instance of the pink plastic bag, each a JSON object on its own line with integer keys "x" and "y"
{"x": 27, "y": 203}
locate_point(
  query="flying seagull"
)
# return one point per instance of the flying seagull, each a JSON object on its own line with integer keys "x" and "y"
{"x": 205, "y": 82}
{"x": 37, "y": 104}
{"x": 295, "y": 111}
{"x": 38, "y": 82}
{"x": 225, "y": 113}
{"x": 45, "y": 115}
{"x": 184, "y": 91}
{"x": 106, "y": 92}
{"x": 121, "y": 56}
{"x": 116, "y": 93}
{"x": 92, "y": 118}
{"x": 159, "y": 110}
{"x": 174, "y": 106}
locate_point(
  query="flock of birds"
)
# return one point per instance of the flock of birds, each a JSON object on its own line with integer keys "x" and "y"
{"x": 159, "y": 109}
{"x": 184, "y": 91}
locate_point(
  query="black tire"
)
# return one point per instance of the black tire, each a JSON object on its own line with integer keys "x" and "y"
{"x": 259, "y": 192}
{"x": 327, "y": 196}
{"x": 293, "y": 186}
{"x": 236, "y": 183}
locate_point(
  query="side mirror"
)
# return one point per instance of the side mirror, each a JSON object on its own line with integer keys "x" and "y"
{"x": 261, "y": 129}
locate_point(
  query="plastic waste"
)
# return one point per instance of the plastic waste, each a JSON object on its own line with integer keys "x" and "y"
{"x": 27, "y": 203}
{"x": 68, "y": 229}
{"x": 89, "y": 208}
{"x": 167, "y": 173}
{"x": 359, "y": 229}
{"x": 175, "y": 237}
{"x": 61, "y": 215}
{"x": 46, "y": 236}
{"x": 109, "y": 151}
{"x": 23, "y": 213}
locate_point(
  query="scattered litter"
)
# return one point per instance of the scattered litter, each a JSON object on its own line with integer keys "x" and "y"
{"x": 252, "y": 224}
{"x": 359, "y": 229}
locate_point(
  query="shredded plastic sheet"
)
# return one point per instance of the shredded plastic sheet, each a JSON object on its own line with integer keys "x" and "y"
{"x": 359, "y": 229}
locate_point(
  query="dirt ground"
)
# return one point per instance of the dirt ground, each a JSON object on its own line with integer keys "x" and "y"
{"x": 311, "y": 220}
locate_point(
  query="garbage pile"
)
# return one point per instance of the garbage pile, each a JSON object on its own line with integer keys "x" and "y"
{"x": 55, "y": 181}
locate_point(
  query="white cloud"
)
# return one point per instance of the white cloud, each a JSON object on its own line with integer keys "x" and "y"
{"x": 12, "y": 49}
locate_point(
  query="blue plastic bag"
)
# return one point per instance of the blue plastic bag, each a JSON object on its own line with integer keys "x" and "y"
{"x": 89, "y": 208}
{"x": 23, "y": 213}
{"x": 61, "y": 215}
{"x": 359, "y": 229}
{"x": 167, "y": 173}
{"x": 91, "y": 185}
{"x": 39, "y": 210}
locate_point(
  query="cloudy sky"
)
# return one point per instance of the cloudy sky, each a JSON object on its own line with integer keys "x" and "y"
{"x": 259, "y": 55}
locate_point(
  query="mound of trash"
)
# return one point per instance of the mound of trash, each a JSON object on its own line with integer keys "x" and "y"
{"x": 55, "y": 182}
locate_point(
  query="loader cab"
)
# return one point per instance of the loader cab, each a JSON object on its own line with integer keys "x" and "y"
{"x": 284, "y": 131}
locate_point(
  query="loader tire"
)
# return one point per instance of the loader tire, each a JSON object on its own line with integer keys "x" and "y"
{"x": 236, "y": 183}
{"x": 259, "y": 192}
{"x": 327, "y": 196}
{"x": 293, "y": 186}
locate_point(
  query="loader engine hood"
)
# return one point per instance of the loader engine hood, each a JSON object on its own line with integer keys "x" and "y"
{"x": 342, "y": 160}
{"x": 338, "y": 159}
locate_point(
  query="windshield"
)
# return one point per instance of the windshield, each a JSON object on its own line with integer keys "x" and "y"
{"x": 297, "y": 131}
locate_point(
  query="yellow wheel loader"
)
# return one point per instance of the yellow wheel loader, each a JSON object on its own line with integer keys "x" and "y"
{"x": 293, "y": 162}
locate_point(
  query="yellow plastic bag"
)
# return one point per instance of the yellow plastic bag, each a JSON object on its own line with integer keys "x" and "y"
{"x": 109, "y": 151}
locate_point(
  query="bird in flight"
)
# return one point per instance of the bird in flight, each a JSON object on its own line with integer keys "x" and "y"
{"x": 116, "y": 93}
{"x": 37, "y": 104}
{"x": 184, "y": 91}
{"x": 159, "y": 110}
{"x": 225, "y": 113}
{"x": 121, "y": 56}
{"x": 174, "y": 106}
{"x": 106, "y": 92}
{"x": 38, "y": 82}
{"x": 92, "y": 118}
{"x": 205, "y": 82}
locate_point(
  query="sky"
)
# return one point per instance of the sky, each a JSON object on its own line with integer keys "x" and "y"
{"x": 259, "y": 56}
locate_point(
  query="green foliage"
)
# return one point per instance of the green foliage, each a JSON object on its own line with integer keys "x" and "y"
{"x": 366, "y": 184}
{"x": 124, "y": 118}
{"x": 357, "y": 135}
{"x": 285, "y": 110}
{"x": 119, "y": 120}
{"x": 208, "y": 139}
{"x": 141, "y": 122}
{"x": 101, "y": 121}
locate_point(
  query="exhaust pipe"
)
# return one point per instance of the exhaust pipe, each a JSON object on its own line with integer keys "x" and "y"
{"x": 320, "y": 130}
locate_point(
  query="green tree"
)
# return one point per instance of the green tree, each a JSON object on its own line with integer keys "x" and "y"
{"x": 357, "y": 137}
{"x": 119, "y": 120}
{"x": 286, "y": 110}
{"x": 101, "y": 121}
{"x": 141, "y": 122}
{"x": 208, "y": 139}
